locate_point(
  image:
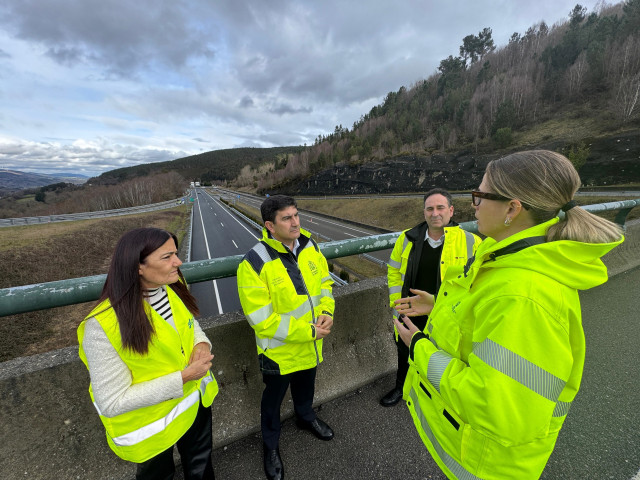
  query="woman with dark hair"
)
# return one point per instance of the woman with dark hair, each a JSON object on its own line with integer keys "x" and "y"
{"x": 149, "y": 360}
{"x": 493, "y": 375}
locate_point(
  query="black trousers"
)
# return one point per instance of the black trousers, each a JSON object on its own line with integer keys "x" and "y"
{"x": 302, "y": 389}
{"x": 195, "y": 448}
{"x": 403, "y": 352}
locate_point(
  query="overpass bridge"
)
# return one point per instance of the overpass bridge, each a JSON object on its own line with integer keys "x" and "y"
{"x": 49, "y": 428}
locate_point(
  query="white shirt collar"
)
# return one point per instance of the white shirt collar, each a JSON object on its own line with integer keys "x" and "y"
{"x": 296, "y": 245}
{"x": 433, "y": 243}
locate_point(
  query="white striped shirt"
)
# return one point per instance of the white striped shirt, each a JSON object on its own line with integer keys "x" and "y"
{"x": 159, "y": 301}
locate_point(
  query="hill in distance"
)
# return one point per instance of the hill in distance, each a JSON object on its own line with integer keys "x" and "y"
{"x": 17, "y": 180}
{"x": 215, "y": 166}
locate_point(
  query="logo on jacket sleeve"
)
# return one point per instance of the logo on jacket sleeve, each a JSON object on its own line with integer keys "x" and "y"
{"x": 191, "y": 322}
{"x": 313, "y": 268}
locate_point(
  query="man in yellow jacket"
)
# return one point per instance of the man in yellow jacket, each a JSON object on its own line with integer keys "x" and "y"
{"x": 419, "y": 260}
{"x": 285, "y": 291}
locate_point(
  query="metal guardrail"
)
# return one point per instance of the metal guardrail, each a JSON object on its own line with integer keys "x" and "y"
{"x": 12, "y": 222}
{"x": 27, "y": 298}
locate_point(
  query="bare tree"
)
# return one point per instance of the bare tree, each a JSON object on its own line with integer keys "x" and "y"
{"x": 626, "y": 81}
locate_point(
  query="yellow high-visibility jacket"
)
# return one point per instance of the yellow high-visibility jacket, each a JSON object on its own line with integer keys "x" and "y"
{"x": 459, "y": 246}
{"x": 281, "y": 297}
{"x": 493, "y": 375}
{"x": 143, "y": 433}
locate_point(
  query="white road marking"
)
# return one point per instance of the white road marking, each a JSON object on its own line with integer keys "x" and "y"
{"x": 235, "y": 244}
{"x": 206, "y": 242}
{"x": 233, "y": 216}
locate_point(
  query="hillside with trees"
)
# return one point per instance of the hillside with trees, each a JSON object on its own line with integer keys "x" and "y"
{"x": 208, "y": 167}
{"x": 566, "y": 86}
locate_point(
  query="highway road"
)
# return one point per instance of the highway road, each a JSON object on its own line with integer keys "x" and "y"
{"x": 216, "y": 232}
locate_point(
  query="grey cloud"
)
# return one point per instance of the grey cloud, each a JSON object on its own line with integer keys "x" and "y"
{"x": 120, "y": 36}
{"x": 246, "y": 102}
{"x": 285, "y": 108}
{"x": 89, "y": 159}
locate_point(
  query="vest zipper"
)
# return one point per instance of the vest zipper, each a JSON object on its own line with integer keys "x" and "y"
{"x": 313, "y": 315}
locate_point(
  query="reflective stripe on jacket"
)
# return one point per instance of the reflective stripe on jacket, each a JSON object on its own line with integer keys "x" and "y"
{"x": 281, "y": 297}
{"x": 459, "y": 246}
{"x": 492, "y": 377}
{"x": 143, "y": 433}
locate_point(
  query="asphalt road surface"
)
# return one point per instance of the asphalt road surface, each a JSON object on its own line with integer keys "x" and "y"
{"x": 216, "y": 232}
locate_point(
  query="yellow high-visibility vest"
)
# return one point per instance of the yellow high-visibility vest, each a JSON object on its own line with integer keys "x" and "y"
{"x": 282, "y": 303}
{"x": 143, "y": 433}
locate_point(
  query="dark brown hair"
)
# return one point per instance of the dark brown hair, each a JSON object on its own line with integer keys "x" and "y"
{"x": 124, "y": 289}
{"x": 272, "y": 205}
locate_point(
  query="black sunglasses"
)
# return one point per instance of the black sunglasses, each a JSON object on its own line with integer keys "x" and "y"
{"x": 477, "y": 195}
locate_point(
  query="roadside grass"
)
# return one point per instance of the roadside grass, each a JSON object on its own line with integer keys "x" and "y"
{"x": 393, "y": 214}
{"x": 27, "y": 199}
{"x": 571, "y": 126}
{"x": 57, "y": 251}
{"x": 397, "y": 214}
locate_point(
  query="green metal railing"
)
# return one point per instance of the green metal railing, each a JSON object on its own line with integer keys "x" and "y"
{"x": 40, "y": 296}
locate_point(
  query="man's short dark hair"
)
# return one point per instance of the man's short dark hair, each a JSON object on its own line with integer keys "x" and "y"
{"x": 272, "y": 205}
{"x": 438, "y": 191}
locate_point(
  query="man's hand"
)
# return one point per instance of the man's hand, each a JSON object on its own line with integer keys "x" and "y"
{"x": 321, "y": 332}
{"x": 420, "y": 304}
{"x": 323, "y": 326}
{"x": 406, "y": 331}
{"x": 324, "y": 321}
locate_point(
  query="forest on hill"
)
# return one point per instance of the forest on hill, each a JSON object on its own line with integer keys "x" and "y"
{"x": 584, "y": 70}
{"x": 207, "y": 167}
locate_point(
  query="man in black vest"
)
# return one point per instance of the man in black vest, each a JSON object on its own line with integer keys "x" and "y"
{"x": 419, "y": 260}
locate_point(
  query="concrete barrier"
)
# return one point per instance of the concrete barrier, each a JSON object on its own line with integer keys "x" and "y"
{"x": 627, "y": 255}
{"x": 50, "y": 429}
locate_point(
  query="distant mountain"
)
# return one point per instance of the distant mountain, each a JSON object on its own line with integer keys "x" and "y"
{"x": 17, "y": 180}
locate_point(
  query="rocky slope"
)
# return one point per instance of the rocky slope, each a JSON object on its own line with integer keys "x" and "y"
{"x": 612, "y": 160}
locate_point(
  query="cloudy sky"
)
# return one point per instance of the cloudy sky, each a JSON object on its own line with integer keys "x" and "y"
{"x": 87, "y": 86}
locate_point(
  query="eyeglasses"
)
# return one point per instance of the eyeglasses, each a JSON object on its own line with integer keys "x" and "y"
{"x": 477, "y": 195}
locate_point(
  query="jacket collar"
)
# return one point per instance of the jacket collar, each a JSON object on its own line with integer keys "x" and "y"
{"x": 279, "y": 247}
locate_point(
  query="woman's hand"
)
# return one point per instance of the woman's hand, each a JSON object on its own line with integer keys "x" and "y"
{"x": 200, "y": 350}
{"x": 405, "y": 328}
{"x": 420, "y": 304}
{"x": 199, "y": 363}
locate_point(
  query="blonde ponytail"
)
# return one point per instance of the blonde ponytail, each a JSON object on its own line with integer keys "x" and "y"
{"x": 546, "y": 181}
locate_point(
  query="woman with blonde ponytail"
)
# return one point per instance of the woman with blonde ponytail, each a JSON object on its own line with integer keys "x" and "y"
{"x": 493, "y": 375}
